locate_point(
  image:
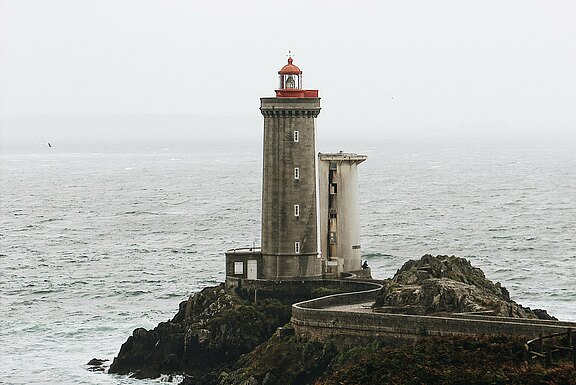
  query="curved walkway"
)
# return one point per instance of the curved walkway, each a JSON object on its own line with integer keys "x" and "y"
{"x": 349, "y": 316}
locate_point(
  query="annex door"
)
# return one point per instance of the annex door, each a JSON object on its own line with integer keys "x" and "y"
{"x": 252, "y": 267}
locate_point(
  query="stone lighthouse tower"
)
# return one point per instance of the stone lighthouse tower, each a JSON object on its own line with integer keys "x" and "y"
{"x": 289, "y": 214}
{"x": 309, "y": 202}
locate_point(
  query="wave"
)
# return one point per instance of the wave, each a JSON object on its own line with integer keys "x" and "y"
{"x": 135, "y": 293}
{"x": 182, "y": 251}
{"x": 48, "y": 220}
{"x": 374, "y": 255}
{"x": 138, "y": 212}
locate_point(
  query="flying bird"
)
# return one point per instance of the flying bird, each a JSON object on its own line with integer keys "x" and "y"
{"x": 49, "y": 145}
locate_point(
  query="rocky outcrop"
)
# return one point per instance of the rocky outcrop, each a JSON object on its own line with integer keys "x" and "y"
{"x": 212, "y": 328}
{"x": 219, "y": 338}
{"x": 448, "y": 284}
{"x": 97, "y": 365}
{"x": 454, "y": 360}
{"x": 470, "y": 360}
{"x": 278, "y": 361}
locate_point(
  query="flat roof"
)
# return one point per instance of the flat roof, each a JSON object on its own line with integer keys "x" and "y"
{"x": 244, "y": 250}
{"x": 342, "y": 156}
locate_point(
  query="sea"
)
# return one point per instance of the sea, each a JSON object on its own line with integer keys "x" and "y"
{"x": 97, "y": 239}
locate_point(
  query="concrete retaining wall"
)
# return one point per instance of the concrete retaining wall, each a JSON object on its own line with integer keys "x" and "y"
{"x": 294, "y": 291}
{"x": 363, "y": 292}
{"x": 315, "y": 319}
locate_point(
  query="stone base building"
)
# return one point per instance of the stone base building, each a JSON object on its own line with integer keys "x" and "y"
{"x": 310, "y": 219}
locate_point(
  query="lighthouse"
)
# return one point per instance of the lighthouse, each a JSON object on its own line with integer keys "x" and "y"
{"x": 310, "y": 222}
{"x": 289, "y": 212}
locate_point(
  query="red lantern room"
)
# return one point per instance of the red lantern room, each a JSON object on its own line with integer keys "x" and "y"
{"x": 290, "y": 76}
{"x": 291, "y": 83}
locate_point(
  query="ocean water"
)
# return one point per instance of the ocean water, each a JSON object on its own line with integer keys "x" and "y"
{"x": 98, "y": 240}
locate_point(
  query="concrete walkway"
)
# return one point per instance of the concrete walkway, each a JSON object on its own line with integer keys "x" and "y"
{"x": 365, "y": 307}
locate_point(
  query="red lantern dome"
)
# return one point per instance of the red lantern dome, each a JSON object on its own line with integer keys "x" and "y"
{"x": 291, "y": 83}
{"x": 290, "y": 69}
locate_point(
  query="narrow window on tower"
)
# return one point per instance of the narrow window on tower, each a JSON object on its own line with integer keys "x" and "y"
{"x": 296, "y": 210}
{"x": 296, "y": 136}
{"x": 296, "y": 172}
{"x": 297, "y": 247}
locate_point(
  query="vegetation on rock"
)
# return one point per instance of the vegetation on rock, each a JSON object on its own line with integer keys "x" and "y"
{"x": 276, "y": 362}
{"x": 219, "y": 338}
{"x": 449, "y": 360}
{"x": 446, "y": 360}
{"x": 212, "y": 328}
{"x": 448, "y": 284}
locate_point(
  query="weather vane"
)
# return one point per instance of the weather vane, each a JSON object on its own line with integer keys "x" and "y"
{"x": 290, "y": 54}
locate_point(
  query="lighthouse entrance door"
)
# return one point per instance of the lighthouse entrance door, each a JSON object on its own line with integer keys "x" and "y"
{"x": 252, "y": 269}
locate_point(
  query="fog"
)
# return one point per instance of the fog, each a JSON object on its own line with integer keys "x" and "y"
{"x": 382, "y": 67}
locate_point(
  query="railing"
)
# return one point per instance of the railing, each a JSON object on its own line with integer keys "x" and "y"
{"x": 538, "y": 349}
{"x": 349, "y": 298}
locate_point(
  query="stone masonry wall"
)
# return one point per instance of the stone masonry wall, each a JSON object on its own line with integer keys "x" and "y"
{"x": 313, "y": 319}
{"x": 294, "y": 291}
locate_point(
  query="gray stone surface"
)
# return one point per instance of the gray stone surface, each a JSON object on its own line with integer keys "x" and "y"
{"x": 281, "y": 191}
{"x": 447, "y": 284}
{"x": 346, "y": 320}
{"x": 432, "y": 288}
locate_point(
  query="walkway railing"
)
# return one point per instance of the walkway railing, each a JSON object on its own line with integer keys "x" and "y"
{"x": 354, "y": 297}
{"x": 543, "y": 347}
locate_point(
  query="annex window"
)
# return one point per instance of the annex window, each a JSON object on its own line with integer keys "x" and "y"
{"x": 296, "y": 172}
{"x": 332, "y": 238}
{"x": 296, "y": 136}
{"x": 238, "y": 267}
{"x": 296, "y": 210}
{"x": 297, "y": 247}
{"x": 333, "y": 189}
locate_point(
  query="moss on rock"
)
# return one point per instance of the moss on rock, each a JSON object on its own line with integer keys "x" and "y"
{"x": 448, "y": 284}
{"x": 211, "y": 329}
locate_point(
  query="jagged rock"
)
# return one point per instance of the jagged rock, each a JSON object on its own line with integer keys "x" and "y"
{"x": 96, "y": 365}
{"x": 543, "y": 314}
{"x": 210, "y": 329}
{"x": 208, "y": 338}
{"x": 446, "y": 284}
{"x": 279, "y": 361}
{"x": 96, "y": 362}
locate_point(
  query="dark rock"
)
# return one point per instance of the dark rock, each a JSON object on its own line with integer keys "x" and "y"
{"x": 456, "y": 360}
{"x": 96, "y": 369}
{"x": 446, "y": 284}
{"x": 220, "y": 338}
{"x": 278, "y": 361}
{"x": 284, "y": 332}
{"x": 96, "y": 365}
{"x": 96, "y": 362}
{"x": 213, "y": 328}
{"x": 543, "y": 314}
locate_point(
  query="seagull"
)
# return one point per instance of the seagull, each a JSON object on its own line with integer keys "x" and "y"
{"x": 49, "y": 145}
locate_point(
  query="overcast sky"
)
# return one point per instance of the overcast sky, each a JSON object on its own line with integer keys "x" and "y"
{"x": 378, "y": 64}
